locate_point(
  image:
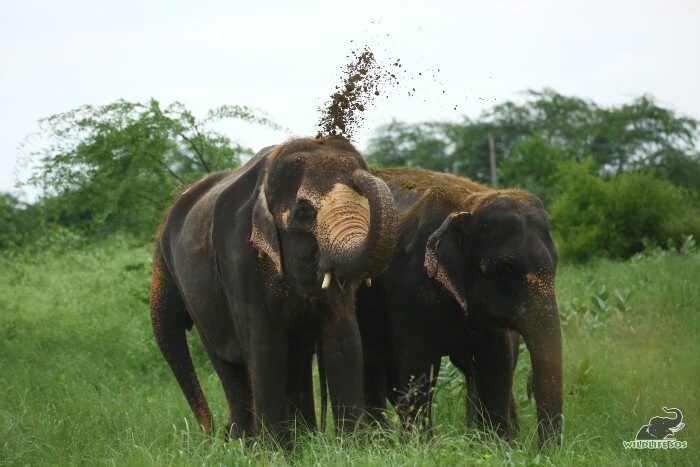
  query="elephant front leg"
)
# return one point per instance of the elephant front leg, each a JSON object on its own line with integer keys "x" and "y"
{"x": 491, "y": 382}
{"x": 300, "y": 390}
{"x": 375, "y": 392}
{"x": 268, "y": 376}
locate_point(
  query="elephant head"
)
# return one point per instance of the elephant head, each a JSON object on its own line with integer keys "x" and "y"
{"x": 662, "y": 427}
{"x": 325, "y": 223}
{"x": 321, "y": 217}
{"x": 498, "y": 260}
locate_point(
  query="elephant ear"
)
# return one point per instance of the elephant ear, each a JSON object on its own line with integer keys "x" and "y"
{"x": 444, "y": 259}
{"x": 263, "y": 233}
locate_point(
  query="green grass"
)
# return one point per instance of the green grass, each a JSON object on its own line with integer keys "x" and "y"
{"x": 82, "y": 382}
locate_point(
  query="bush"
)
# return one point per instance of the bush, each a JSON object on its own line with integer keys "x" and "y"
{"x": 19, "y": 221}
{"x": 533, "y": 166}
{"x": 592, "y": 216}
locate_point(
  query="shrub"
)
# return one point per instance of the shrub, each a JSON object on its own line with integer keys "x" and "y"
{"x": 19, "y": 221}
{"x": 592, "y": 216}
{"x": 533, "y": 166}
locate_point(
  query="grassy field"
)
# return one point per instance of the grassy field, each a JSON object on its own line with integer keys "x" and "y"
{"x": 82, "y": 382}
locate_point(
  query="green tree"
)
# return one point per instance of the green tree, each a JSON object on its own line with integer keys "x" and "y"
{"x": 117, "y": 166}
{"x": 402, "y": 144}
{"x": 631, "y": 136}
{"x": 534, "y": 166}
{"x": 592, "y": 216}
{"x": 18, "y": 221}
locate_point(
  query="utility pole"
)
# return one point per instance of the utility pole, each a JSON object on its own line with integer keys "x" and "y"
{"x": 492, "y": 154}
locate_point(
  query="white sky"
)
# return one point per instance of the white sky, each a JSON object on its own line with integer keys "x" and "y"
{"x": 284, "y": 57}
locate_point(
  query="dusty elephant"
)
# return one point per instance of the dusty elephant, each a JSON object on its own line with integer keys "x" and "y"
{"x": 264, "y": 260}
{"x": 474, "y": 268}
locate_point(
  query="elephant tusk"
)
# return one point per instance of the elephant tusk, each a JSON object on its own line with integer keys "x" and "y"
{"x": 368, "y": 282}
{"x": 326, "y": 280}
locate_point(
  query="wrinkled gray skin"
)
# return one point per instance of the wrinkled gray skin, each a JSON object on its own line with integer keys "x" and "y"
{"x": 243, "y": 255}
{"x": 662, "y": 427}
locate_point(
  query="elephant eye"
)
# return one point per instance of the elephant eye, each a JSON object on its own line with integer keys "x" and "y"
{"x": 304, "y": 212}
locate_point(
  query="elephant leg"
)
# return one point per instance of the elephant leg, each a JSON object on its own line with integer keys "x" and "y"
{"x": 392, "y": 383}
{"x": 372, "y": 321}
{"x": 515, "y": 353}
{"x": 375, "y": 392}
{"x": 300, "y": 390}
{"x": 493, "y": 367}
{"x": 267, "y": 366}
{"x": 462, "y": 359}
{"x": 416, "y": 385}
{"x": 170, "y": 322}
{"x": 236, "y": 385}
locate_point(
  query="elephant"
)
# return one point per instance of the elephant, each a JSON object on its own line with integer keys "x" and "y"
{"x": 662, "y": 427}
{"x": 264, "y": 261}
{"x": 474, "y": 270}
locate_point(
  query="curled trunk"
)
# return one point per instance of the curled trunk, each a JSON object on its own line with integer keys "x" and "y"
{"x": 357, "y": 233}
{"x": 679, "y": 415}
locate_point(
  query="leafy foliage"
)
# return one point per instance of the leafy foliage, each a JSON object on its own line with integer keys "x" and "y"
{"x": 609, "y": 174}
{"x": 115, "y": 167}
{"x": 594, "y": 215}
{"x": 639, "y": 134}
{"x": 534, "y": 166}
{"x": 18, "y": 220}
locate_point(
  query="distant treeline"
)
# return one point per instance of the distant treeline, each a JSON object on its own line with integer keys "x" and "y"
{"x": 613, "y": 178}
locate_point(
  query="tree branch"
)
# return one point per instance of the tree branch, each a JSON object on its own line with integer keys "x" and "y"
{"x": 201, "y": 146}
{"x": 149, "y": 199}
{"x": 176, "y": 176}
{"x": 197, "y": 151}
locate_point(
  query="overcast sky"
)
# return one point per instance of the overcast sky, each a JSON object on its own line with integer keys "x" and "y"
{"x": 284, "y": 57}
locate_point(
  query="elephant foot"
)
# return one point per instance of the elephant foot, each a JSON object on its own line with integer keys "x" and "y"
{"x": 233, "y": 431}
{"x": 377, "y": 417}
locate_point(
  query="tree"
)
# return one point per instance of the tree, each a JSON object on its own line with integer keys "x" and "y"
{"x": 593, "y": 216}
{"x": 534, "y": 166}
{"x": 402, "y": 144}
{"x": 640, "y": 134}
{"x": 117, "y": 166}
{"x": 18, "y": 220}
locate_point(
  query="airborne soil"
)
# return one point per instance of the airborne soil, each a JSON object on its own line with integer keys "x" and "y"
{"x": 364, "y": 79}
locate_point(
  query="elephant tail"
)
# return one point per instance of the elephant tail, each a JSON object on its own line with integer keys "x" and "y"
{"x": 323, "y": 383}
{"x": 170, "y": 322}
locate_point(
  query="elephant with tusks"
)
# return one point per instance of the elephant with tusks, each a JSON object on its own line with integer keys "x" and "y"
{"x": 662, "y": 427}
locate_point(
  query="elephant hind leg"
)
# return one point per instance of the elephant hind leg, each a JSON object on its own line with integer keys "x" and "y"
{"x": 236, "y": 384}
{"x": 170, "y": 321}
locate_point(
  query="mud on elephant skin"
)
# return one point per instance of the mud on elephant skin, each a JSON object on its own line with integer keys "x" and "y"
{"x": 264, "y": 261}
{"x": 474, "y": 269}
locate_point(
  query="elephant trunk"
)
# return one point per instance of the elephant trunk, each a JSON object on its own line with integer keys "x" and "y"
{"x": 542, "y": 333}
{"x": 679, "y": 415}
{"x": 356, "y": 232}
{"x": 341, "y": 350}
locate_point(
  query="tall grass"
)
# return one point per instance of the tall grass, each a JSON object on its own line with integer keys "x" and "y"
{"x": 82, "y": 382}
